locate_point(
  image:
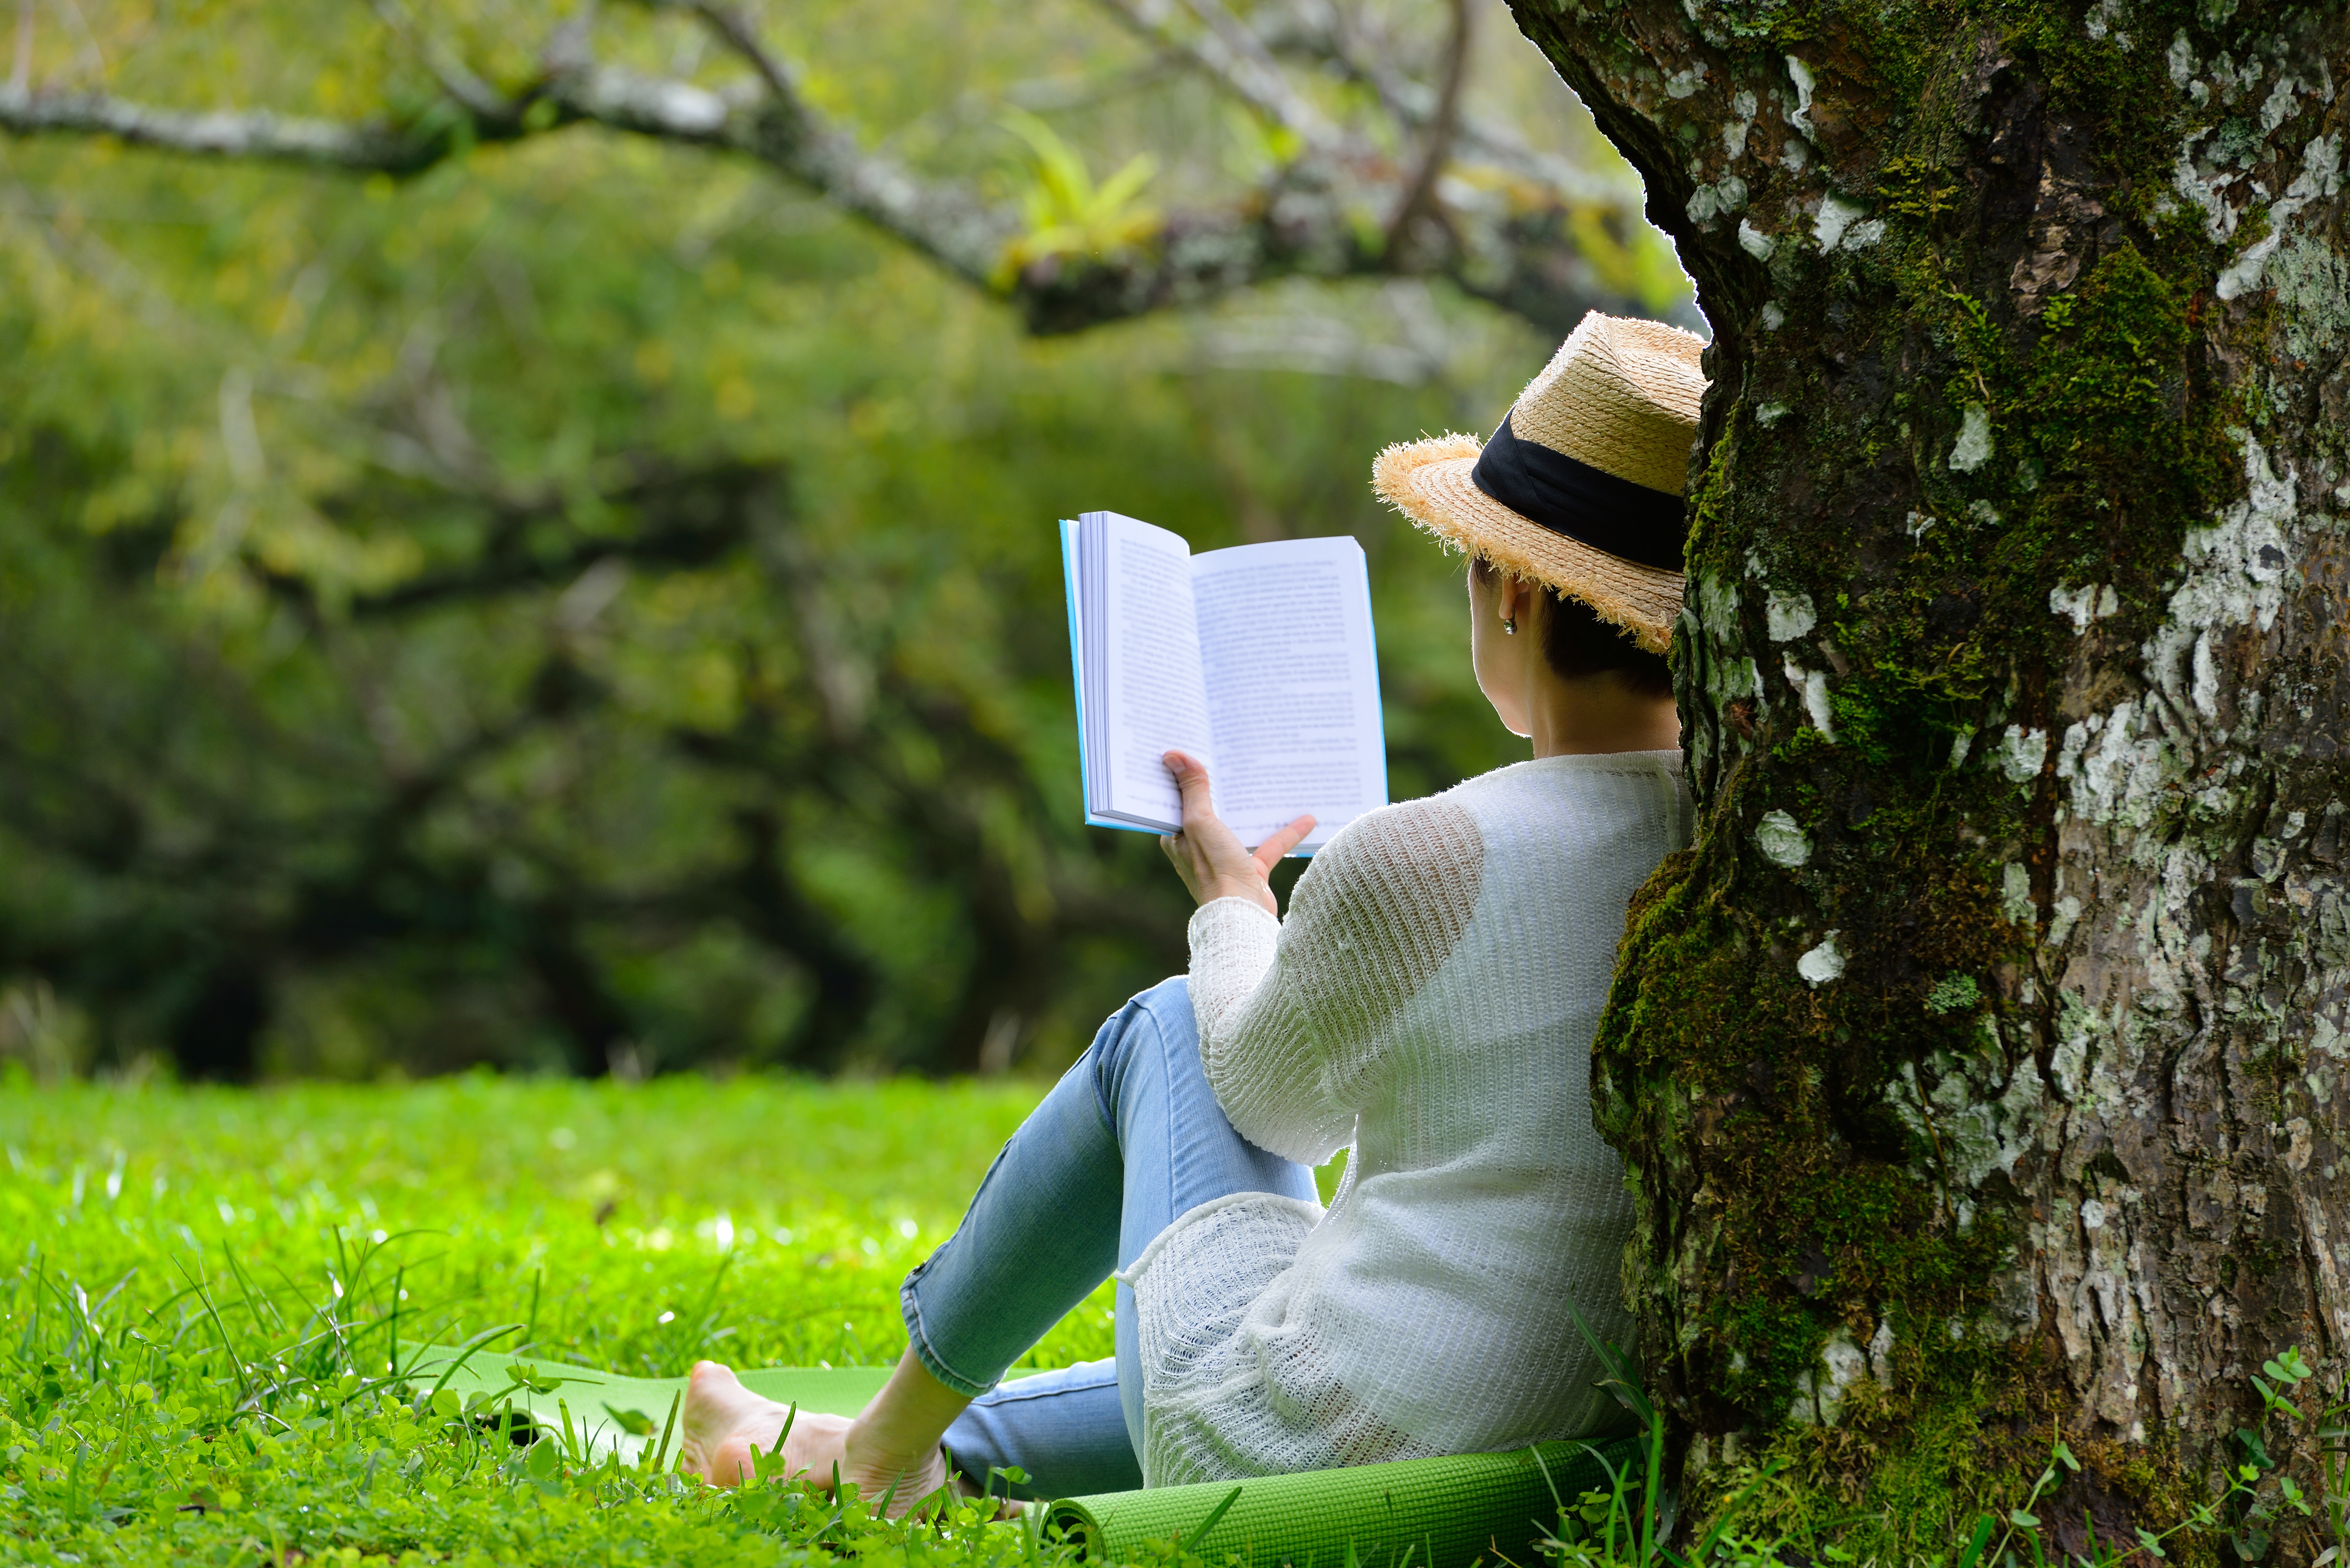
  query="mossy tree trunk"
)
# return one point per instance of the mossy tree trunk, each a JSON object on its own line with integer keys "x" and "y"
{"x": 1983, "y": 1068}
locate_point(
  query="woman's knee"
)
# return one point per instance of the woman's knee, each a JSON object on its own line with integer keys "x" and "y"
{"x": 1156, "y": 1021}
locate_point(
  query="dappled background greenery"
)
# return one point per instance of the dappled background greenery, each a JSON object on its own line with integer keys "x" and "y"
{"x": 592, "y": 606}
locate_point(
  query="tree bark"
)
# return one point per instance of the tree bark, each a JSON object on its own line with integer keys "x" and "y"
{"x": 1981, "y": 1068}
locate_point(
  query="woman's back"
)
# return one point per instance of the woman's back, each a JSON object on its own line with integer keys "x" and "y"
{"x": 1432, "y": 994}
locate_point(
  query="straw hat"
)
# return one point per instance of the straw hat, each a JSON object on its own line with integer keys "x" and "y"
{"x": 1580, "y": 488}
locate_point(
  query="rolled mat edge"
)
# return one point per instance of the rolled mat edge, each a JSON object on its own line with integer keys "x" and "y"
{"x": 1431, "y": 1513}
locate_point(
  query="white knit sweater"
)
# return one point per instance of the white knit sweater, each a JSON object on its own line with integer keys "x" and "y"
{"x": 1431, "y": 997}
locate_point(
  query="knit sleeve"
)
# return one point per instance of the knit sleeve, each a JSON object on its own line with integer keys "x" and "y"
{"x": 1290, "y": 1013}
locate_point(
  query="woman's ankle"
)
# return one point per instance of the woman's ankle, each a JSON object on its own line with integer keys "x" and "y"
{"x": 904, "y": 1477}
{"x": 896, "y": 1438}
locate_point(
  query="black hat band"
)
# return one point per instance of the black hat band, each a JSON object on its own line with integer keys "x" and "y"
{"x": 1586, "y": 504}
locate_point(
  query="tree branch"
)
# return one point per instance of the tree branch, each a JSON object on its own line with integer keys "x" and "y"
{"x": 1510, "y": 254}
{"x": 682, "y": 518}
{"x": 1419, "y": 200}
{"x": 1229, "y": 55}
{"x": 258, "y": 135}
{"x": 738, "y": 34}
{"x": 455, "y": 78}
{"x": 1319, "y": 33}
{"x": 1305, "y": 219}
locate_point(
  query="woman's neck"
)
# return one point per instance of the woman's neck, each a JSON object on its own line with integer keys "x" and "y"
{"x": 1596, "y": 714}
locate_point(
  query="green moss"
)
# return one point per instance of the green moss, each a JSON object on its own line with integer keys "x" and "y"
{"x": 1913, "y": 185}
{"x": 1958, "y": 994}
{"x": 1826, "y": 1210}
{"x": 1904, "y": 1479}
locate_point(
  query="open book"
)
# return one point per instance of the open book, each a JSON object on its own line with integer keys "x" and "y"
{"x": 1257, "y": 659}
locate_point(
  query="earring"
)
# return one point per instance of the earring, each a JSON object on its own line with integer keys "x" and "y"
{"x": 1509, "y": 625}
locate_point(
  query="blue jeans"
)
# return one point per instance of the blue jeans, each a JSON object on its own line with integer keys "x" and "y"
{"x": 1131, "y": 1138}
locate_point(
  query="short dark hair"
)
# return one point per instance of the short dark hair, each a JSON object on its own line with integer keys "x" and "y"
{"x": 1579, "y": 645}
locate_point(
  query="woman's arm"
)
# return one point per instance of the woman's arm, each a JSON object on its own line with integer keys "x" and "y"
{"x": 1290, "y": 1012}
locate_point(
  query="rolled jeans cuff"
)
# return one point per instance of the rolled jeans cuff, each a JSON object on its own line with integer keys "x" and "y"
{"x": 910, "y": 1305}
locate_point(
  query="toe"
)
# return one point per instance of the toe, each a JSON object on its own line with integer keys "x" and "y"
{"x": 731, "y": 1466}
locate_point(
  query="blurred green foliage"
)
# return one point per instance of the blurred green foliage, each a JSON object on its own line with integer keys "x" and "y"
{"x": 592, "y": 606}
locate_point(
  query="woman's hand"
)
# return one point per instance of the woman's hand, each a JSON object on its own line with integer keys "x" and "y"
{"x": 1208, "y": 856}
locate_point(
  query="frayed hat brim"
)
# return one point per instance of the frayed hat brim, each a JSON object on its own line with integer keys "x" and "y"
{"x": 1427, "y": 482}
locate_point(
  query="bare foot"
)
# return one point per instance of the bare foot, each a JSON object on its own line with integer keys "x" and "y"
{"x": 881, "y": 1469}
{"x": 723, "y": 1421}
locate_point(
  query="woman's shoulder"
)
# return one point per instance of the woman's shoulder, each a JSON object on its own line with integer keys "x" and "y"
{"x": 1572, "y": 806}
{"x": 1425, "y": 852}
{"x": 1444, "y": 837}
{"x": 1605, "y": 785}
{"x": 1386, "y": 900}
{"x": 1436, "y": 832}
{"x": 1627, "y": 807}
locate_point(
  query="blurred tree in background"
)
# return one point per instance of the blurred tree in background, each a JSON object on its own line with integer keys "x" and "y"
{"x": 526, "y": 534}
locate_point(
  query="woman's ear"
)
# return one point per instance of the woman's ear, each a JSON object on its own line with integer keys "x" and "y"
{"x": 1514, "y": 600}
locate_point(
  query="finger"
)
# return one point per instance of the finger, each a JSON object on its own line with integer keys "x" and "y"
{"x": 1191, "y": 782}
{"x": 1269, "y": 853}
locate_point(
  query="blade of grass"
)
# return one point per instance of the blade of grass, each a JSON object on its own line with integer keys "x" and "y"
{"x": 1648, "y": 1485}
{"x": 1555, "y": 1502}
{"x": 253, "y": 1307}
{"x": 31, "y": 1337}
{"x": 1621, "y": 1374}
{"x": 661, "y": 1453}
{"x": 465, "y": 1352}
{"x": 237, "y": 1365}
{"x": 790, "y": 1416}
{"x": 1215, "y": 1517}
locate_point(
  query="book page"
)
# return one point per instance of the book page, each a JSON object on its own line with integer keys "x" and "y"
{"x": 1152, "y": 693}
{"x": 1293, "y": 683}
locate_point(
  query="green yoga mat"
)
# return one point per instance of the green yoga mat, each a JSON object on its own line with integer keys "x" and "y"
{"x": 1446, "y": 1514}
{"x": 1442, "y": 1513}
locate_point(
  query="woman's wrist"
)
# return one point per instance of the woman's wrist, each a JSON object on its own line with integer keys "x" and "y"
{"x": 1254, "y": 892}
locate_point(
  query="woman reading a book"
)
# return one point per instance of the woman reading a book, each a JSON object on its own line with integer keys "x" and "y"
{"x": 1430, "y": 999}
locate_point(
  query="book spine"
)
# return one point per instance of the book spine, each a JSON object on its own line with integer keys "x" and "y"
{"x": 1071, "y": 535}
{"x": 1076, "y": 663}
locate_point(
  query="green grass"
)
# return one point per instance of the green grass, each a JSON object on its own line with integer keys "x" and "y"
{"x": 197, "y": 1289}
